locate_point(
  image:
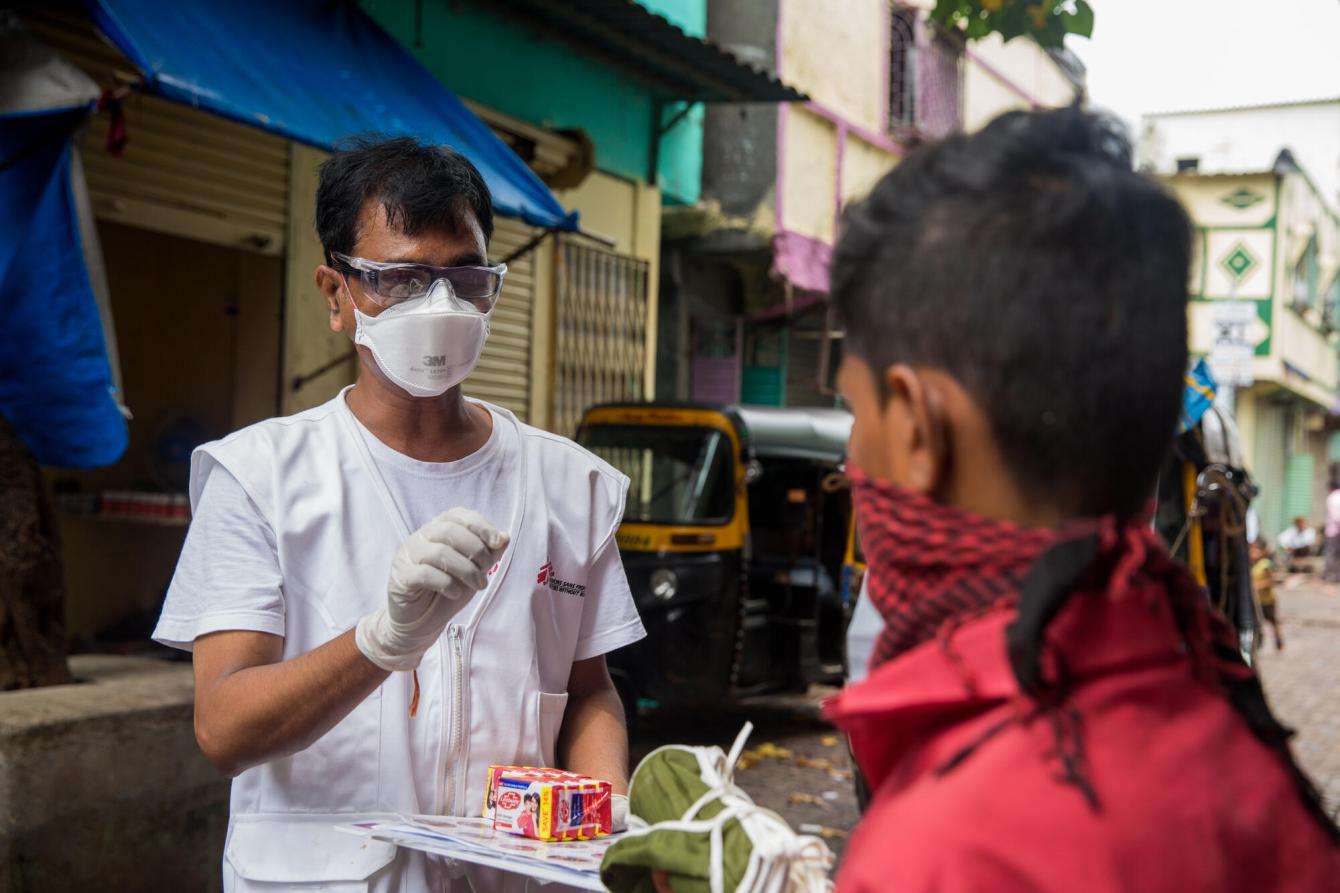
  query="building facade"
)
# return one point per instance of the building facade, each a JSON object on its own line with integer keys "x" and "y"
{"x": 1248, "y": 138}
{"x": 1264, "y": 303}
{"x": 745, "y": 268}
{"x": 207, "y": 231}
{"x": 1262, "y": 184}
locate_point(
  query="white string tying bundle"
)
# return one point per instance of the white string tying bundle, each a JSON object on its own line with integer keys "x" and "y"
{"x": 781, "y": 861}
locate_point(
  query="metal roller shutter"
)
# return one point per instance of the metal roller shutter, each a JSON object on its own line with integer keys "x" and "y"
{"x": 1269, "y": 471}
{"x": 503, "y": 374}
{"x": 182, "y": 172}
{"x": 1299, "y": 471}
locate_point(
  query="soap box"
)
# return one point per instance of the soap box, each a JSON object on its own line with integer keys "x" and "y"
{"x": 536, "y": 772}
{"x": 548, "y": 804}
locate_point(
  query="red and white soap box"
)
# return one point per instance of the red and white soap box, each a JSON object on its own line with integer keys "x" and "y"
{"x": 547, "y": 804}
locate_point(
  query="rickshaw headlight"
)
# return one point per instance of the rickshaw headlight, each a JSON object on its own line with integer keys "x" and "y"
{"x": 664, "y": 583}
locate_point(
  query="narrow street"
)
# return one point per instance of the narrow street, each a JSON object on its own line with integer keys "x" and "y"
{"x": 1301, "y": 680}
{"x": 796, "y": 765}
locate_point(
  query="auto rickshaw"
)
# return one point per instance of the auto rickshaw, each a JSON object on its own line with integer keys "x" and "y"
{"x": 738, "y": 542}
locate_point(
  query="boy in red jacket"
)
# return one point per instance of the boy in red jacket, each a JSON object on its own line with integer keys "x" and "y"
{"x": 1051, "y": 705}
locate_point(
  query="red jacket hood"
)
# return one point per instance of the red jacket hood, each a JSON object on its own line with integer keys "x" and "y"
{"x": 971, "y": 789}
{"x": 930, "y": 696}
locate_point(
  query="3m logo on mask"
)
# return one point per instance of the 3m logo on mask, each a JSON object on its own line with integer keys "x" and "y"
{"x": 437, "y": 362}
{"x": 546, "y": 578}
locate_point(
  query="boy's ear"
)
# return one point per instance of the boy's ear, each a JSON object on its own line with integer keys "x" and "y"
{"x": 924, "y": 460}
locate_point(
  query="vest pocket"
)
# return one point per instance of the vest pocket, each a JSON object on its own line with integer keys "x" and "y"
{"x": 302, "y": 852}
{"x": 550, "y": 708}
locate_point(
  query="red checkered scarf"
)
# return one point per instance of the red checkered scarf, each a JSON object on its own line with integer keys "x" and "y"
{"x": 933, "y": 564}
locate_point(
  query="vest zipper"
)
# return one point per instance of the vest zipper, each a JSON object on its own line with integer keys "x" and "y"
{"x": 456, "y": 724}
{"x": 460, "y": 640}
{"x": 440, "y": 805}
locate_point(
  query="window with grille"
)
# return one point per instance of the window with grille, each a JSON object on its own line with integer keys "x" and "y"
{"x": 1305, "y": 276}
{"x": 925, "y": 76}
{"x": 902, "y": 68}
{"x": 600, "y": 339}
{"x": 940, "y": 92}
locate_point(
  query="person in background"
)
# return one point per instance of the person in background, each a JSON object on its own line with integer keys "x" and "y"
{"x": 1331, "y": 569}
{"x": 1263, "y": 584}
{"x": 1298, "y": 542}
{"x": 1052, "y": 704}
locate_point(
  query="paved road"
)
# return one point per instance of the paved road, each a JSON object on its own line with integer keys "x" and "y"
{"x": 794, "y": 764}
{"x": 1302, "y": 680}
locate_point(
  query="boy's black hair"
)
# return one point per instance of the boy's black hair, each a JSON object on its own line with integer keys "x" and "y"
{"x": 1031, "y": 263}
{"x": 420, "y": 187}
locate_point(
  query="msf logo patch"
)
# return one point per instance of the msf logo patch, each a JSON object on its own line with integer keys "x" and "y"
{"x": 546, "y": 578}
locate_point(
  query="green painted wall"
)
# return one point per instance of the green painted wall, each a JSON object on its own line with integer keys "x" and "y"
{"x": 689, "y": 15}
{"x": 680, "y": 169}
{"x": 513, "y": 67}
{"x": 681, "y": 164}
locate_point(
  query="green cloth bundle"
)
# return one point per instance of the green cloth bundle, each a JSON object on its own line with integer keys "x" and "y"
{"x": 688, "y": 819}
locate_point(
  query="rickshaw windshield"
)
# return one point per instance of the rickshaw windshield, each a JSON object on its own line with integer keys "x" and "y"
{"x": 678, "y": 475}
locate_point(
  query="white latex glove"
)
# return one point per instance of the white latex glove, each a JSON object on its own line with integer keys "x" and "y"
{"x": 433, "y": 576}
{"x": 619, "y": 813}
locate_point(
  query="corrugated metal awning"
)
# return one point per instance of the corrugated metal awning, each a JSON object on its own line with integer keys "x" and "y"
{"x": 316, "y": 72}
{"x": 685, "y": 67}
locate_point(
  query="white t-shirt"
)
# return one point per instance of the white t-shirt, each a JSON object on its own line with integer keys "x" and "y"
{"x": 864, "y": 629}
{"x": 228, "y": 575}
{"x": 1333, "y": 513}
{"x": 1293, "y": 538}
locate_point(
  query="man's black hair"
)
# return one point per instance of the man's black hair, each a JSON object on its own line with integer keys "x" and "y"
{"x": 1031, "y": 263}
{"x": 420, "y": 187}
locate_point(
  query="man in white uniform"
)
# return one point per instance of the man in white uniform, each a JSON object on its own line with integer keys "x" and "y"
{"x": 389, "y": 592}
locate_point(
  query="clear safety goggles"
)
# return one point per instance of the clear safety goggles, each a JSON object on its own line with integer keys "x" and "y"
{"x": 390, "y": 284}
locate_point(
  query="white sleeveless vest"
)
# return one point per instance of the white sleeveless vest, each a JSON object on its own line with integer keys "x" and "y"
{"x": 493, "y": 689}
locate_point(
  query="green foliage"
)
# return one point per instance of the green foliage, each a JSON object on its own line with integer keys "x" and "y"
{"x": 1046, "y": 21}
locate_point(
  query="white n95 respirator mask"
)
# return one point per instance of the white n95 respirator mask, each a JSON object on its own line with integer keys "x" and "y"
{"x": 424, "y": 345}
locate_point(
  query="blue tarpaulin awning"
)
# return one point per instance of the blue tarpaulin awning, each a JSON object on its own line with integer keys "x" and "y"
{"x": 57, "y": 386}
{"x": 315, "y": 71}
